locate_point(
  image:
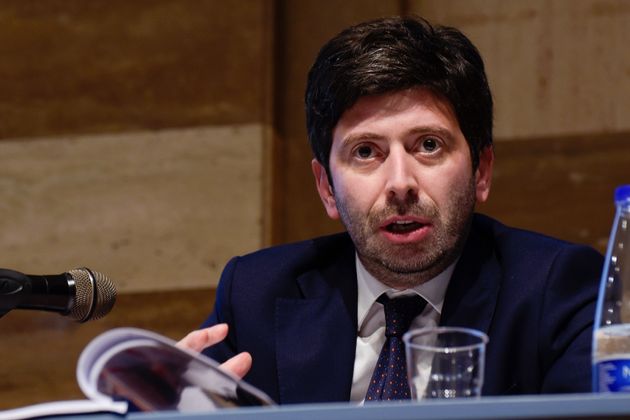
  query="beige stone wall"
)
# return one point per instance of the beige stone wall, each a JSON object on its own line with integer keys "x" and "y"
{"x": 558, "y": 67}
{"x": 133, "y": 136}
{"x": 75, "y": 66}
{"x": 152, "y": 210}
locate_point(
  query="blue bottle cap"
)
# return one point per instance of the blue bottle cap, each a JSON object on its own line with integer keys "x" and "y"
{"x": 622, "y": 193}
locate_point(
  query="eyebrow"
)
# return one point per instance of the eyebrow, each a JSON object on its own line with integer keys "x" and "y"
{"x": 420, "y": 130}
{"x": 433, "y": 129}
{"x": 360, "y": 137}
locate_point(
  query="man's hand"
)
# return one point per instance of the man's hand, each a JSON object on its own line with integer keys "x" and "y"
{"x": 200, "y": 339}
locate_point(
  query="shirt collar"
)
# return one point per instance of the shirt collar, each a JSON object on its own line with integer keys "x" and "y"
{"x": 433, "y": 291}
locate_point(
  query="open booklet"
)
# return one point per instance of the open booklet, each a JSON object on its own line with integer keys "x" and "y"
{"x": 129, "y": 369}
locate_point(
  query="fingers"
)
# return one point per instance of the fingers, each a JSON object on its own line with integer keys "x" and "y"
{"x": 239, "y": 365}
{"x": 200, "y": 339}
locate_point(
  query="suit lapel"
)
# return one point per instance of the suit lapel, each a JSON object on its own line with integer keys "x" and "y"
{"x": 472, "y": 292}
{"x": 316, "y": 334}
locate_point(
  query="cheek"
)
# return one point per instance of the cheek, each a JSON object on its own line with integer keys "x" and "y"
{"x": 357, "y": 193}
{"x": 444, "y": 186}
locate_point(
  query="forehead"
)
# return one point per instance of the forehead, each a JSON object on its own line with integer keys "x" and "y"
{"x": 389, "y": 113}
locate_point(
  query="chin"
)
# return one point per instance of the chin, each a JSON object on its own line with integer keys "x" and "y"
{"x": 424, "y": 268}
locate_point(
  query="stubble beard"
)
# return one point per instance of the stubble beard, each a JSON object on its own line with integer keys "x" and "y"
{"x": 403, "y": 266}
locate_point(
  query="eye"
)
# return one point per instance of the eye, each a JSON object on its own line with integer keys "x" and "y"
{"x": 429, "y": 145}
{"x": 364, "y": 151}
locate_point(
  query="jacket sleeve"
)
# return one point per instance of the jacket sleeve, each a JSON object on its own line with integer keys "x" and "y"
{"x": 566, "y": 320}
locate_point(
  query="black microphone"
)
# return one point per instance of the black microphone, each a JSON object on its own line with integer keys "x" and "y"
{"x": 81, "y": 294}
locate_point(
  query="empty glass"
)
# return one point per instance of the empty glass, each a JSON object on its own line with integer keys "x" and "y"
{"x": 445, "y": 362}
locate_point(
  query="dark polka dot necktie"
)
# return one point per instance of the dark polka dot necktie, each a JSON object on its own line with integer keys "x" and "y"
{"x": 389, "y": 380}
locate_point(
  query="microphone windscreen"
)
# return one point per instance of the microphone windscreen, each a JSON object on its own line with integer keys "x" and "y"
{"x": 94, "y": 297}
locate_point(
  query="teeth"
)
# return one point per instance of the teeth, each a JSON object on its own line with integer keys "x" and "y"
{"x": 403, "y": 222}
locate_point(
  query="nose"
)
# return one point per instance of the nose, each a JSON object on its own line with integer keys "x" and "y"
{"x": 401, "y": 176}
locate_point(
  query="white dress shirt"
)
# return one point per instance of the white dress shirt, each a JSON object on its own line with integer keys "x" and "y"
{"x": 371, "y": 320}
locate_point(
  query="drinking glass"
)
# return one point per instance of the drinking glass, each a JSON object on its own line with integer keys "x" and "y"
{"x": 445, "y": 362}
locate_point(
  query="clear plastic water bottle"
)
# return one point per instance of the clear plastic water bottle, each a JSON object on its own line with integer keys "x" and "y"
{"x": 611, "y": 332}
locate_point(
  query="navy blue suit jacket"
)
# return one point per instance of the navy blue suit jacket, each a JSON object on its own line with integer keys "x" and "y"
{"x": 294, "y": 308}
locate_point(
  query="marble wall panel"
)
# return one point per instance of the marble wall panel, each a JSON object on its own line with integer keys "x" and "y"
{"x": 152, "y": 210}
{"x": 75, "y": 66}
{"x": 558, "y": 67}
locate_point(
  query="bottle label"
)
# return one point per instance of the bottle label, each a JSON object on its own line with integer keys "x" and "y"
{"x": 613, "y": 375}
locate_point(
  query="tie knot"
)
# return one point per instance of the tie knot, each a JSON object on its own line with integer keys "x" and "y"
{"x": 399, "y": 312}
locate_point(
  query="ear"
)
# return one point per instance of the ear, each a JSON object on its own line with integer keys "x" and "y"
{"x": 325, "y": 189}
{"x": 483, "y": 174}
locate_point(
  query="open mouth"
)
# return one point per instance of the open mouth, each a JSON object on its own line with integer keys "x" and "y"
{"x": 403, "y": 226}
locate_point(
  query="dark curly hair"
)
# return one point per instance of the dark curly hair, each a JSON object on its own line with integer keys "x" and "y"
{"x": 393, "y": 54}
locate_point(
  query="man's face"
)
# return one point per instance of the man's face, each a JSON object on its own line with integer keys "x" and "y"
{"x": 403, "y": 184}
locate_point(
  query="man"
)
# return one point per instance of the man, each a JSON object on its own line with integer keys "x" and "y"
{"x": 399, "y": 118}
